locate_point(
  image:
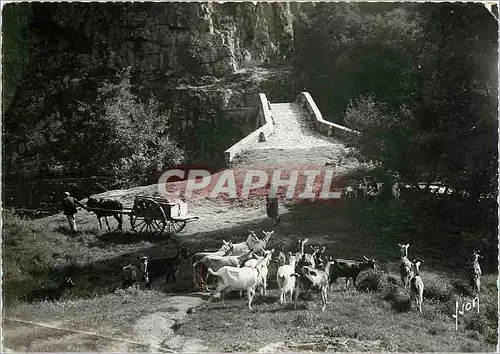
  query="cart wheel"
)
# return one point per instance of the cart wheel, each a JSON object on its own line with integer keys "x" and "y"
{"x": 147, "y": 216}
{"x": 177, "y": 225}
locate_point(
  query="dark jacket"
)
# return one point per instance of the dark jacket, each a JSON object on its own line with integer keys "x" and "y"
{"x": 272, "y": 207}
{"x": 69, "y": 205}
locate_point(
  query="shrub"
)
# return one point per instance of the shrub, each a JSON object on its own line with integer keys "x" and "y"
{"x": 492, "y": 336}
{"x": 461, "y": 287}
{"x": 390, "y": 293}
{"x": 372, "y": 280}
{"x": 124, "y": 137}
{"x": 438, "y": 289}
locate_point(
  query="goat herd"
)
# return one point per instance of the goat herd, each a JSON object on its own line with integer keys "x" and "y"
{"x": 368, "y": 188}
{"x": 244, "y": 267}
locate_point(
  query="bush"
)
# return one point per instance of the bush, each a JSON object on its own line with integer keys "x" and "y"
{"x": 438, "y": 289}
{"x": 124, "y": 137}
{"x": 372, "y": 280}
{"x": 492, "y": 336}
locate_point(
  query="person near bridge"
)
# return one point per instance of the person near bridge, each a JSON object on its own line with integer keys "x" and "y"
{"x": 272, "y": 209}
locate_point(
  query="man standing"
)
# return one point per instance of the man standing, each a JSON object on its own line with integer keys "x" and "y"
{"x": 272, "y": 209}
{"x": 69, "y": 209}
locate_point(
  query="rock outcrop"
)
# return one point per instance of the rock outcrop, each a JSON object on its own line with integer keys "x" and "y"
{"x": 199, "y": 59}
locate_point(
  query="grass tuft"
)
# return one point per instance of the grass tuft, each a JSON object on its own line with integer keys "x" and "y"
{"x": 475, "y": 322}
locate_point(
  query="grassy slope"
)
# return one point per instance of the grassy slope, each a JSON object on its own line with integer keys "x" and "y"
{"x": 367, "y": 319}
{"x": 41, "y": 251}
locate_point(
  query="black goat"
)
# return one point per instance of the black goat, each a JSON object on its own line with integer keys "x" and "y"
{"x": 345, "y": 268}
{"x": 303, "y": 261}
{"x": 168, "y": 266}
{"x": 132, "y": 274}
{"x": 318, "y": 256}
{"x": 49, "y": 294}
{"x": 109, "y": 204}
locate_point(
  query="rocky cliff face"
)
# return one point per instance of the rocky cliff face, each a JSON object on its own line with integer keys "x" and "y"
{"x": 185, "y": 53}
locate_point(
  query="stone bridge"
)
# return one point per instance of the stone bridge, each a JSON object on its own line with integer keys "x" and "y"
{"x": 294, "y": 125}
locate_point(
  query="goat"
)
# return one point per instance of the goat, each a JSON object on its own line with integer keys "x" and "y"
{"x": 396, "y": 191}
{"x": 167, "y": 266}
{"x": 132, "y": 274}
{"x": 272, "y": 210}
{"x": 50, "y": 294}
{"x": 260, "y": 248}
{"x": 405, "y": 266}
{"x": 199, "y": 280}
{"x": 476, "y": 271}
{"x": 374, "y": 190}
{"x": 252, "y": 263}
{"x": 417, "y": 285}
{"x": 251, "y": 243}
{"x": 234, "y": 278}
{"x": 285, "y": 280}
{"x": 317, "y": 255}
{"x": 313, "y": 279}
{"x": 301, "y": 243}
{"x": 105, "y": 203}
{"x": 349, "y": 192}
{"x": 281, "y": 257}
{"x": 304, "y": 258}
{"x": 349, "y": 269}
{"x": 216, "y": 262}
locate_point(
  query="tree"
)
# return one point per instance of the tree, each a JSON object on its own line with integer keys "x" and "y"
{"x": 347, "y": 49}
{"x": 125, "y": 138}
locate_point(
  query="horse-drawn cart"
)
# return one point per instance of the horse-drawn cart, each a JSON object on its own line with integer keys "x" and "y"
{"x": 154, "y": 215}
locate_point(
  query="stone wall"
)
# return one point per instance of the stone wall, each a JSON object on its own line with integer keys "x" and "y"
{"x": 326, "y": 127}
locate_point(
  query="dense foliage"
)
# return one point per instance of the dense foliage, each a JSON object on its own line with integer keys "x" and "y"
{"x": 419, "y": 81}
{"x": 123, "y": 136}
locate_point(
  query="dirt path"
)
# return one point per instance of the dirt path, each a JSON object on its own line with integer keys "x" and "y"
{"x": 293, "y": 129}
{"x": 128, "y": 332}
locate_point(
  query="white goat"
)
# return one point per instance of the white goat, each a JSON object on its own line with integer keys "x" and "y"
{"x": 405, "y": 266}
{"x": 200, "y": 279}
{"x": 476, "y": 271}
{"x": 252, "y": 263}
{"x": 253, "y": 243}
{"x": 348, "y": 192}
{"x": 247, "y": 245}
{"x": 313, "y": 279}
{"x": 417, "y": 285}
{"x": 285, "y": 278}
{"x": 216, "y": 262}
{"x": 234, "y": 278}
{"x": 396, "y": 191}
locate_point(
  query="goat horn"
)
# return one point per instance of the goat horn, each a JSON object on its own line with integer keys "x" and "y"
{"x": 366, "y": 258}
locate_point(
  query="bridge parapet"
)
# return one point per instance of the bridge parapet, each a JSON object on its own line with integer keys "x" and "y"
{"x": 264, "y": 125}
{"x": 326, "y": 127}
